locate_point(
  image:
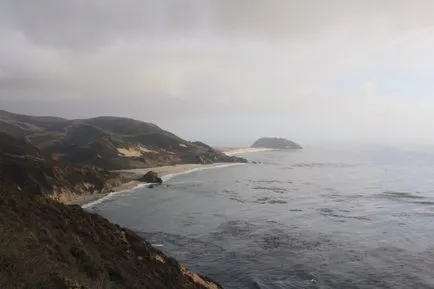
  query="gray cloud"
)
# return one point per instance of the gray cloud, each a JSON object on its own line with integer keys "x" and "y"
{"x": 85, "y": 24}
{"x": 305, "y": 68}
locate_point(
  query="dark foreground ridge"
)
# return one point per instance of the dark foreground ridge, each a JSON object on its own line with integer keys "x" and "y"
{"x": 47, "y": 244}
{"x": 112, "y": 143}
{"x": 275, "y": 143}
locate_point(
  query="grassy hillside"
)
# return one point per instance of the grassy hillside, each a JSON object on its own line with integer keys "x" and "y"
{"x": 23, "y": 168}
{"x": 46, "y": 244}
{"x": 108, "y": 142}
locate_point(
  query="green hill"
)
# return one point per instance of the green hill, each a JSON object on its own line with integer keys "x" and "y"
{"x": 108, "y": 142}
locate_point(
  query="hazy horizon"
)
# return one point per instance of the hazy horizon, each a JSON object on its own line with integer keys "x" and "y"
{"x": 227, "y": 72}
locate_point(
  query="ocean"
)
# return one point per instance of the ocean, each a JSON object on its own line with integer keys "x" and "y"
{"x": 314, "y": 218}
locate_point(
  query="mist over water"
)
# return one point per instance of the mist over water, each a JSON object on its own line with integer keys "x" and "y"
{"x": 315, "y": 218}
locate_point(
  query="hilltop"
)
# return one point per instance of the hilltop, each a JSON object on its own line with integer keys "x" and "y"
{"x": 110, "y": 143}
{"x": 275, "y": 143}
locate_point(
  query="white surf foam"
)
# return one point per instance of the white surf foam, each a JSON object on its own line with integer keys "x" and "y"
{"x": 217, "y": 166}
{"x": 164, "y": 178}
{"x": 241, "y": 151}
{"x": 111, "y": 195}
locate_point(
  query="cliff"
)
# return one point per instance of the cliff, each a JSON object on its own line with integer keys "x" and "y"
{"x": 110, "y": 143}
{"x": 275, "y": 143}
{"x": 47, "y": 244}
{"x": 23, "y": 167}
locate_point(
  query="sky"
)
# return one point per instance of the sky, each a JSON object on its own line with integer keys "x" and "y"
{"x": 227, "y": 71}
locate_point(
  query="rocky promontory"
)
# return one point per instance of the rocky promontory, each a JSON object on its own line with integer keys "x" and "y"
{"x": 151, "y": 177}
{"x": 45, "y": 243}
{"x": 275, "y": 143}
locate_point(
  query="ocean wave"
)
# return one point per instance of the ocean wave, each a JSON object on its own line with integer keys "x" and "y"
{"x": 330, "y": 213}
{"x": 270, "y": 181}
{"x": 278, "y": 190}
{"x": 169, "y": 240}
{"x": 111, "y": 195}
{"x": 399, "y": 195}
{"x": 322, "y": 165}
{"x": 271, "y": 201}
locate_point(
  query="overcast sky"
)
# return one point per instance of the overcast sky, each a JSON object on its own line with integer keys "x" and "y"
{"x": 227, "y": 71}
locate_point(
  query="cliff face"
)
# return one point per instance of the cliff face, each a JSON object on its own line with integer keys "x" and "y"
{"x": 45, "y": 244}
{"x": 22, "y": 167}
{"x": 108, "y": 142}
{"x": 275, "y": 143}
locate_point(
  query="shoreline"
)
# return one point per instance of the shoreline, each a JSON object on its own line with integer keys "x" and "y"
{"x": 82, "y": 200}
{"x": 241, "y": 150}
{"x": 165, "y": 172}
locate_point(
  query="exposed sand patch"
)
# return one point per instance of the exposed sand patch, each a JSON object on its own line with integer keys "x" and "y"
{"x": 236, "y": 151}
{"x": 145, "y": 150}
{"x": 159, "y": 258}
{"x": 197, "y": 279}
{"x": 134, "y": 152}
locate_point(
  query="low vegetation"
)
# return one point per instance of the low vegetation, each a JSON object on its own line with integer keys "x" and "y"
{"x": 108, "y": 142}
{"x": 45, "y": 244}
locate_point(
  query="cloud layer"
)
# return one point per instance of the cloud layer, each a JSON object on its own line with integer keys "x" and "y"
{"x": 227, "y": 70}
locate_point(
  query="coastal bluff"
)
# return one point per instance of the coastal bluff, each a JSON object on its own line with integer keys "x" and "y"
{"x": 275, "y": 143}
{"x": 46, "y": 243}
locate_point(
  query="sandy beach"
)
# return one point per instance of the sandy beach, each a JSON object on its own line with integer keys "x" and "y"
{"x": 237, "y": 151}
{"x": 85, "y": 199}
{"x": 164, "y": 172}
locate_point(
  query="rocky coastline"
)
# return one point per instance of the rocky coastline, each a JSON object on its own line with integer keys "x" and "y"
{"x": 47, "y": 241}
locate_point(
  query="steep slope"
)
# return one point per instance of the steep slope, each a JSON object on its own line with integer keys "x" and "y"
{"x": 46, "y": 244}
{"x": 22, "y": 167}
{"x": 10, "y": 146}
{"x": 275, "y": 143}
{"x": 108, "y": 142}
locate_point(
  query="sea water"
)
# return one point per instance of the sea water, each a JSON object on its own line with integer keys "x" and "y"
{"x": 314, "y": 218}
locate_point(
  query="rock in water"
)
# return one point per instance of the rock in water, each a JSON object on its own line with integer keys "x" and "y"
{"x": 151, "y": 177}
{"x": 275, "y": 143}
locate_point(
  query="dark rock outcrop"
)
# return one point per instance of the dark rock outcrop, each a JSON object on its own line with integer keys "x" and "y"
{"x": 111, "y": 143}
{"x": 275, "y": 143}
{"x": 151, "y": 177}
